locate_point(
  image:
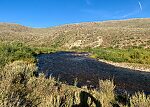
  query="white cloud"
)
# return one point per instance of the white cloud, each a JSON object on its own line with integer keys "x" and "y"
{"x": 134, "y": 12}
{"x": 140, "y": 5}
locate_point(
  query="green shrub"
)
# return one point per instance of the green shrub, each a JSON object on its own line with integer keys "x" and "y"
{"x": 15, "y": 51}
{"x": 132, "y": 55}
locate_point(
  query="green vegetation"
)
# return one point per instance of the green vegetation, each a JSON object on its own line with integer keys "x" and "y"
{"x": 20, "y": 88}
{"x": 131, "y": 55}
{"x": 15, "y": 51}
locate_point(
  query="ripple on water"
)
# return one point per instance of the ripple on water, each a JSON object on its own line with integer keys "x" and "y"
{"x": 70, "y": 65}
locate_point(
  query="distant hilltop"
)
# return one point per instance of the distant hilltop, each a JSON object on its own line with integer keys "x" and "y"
{"x": 117, "y": 34}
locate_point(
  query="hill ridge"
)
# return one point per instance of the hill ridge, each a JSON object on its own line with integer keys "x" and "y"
{"x": 113, "y": 33}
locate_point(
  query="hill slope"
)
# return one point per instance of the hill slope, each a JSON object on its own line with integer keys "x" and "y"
{"x": 122, "y": 33}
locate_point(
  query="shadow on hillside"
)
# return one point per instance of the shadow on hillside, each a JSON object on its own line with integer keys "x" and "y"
{"x": 84, "y": 100}
{"x": 67, "y": 66}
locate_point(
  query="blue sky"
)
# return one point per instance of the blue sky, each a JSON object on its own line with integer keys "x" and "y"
{"x": 46, "y": 13}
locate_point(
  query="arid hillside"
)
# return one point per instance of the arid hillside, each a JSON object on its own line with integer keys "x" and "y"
{"x": 120, "y": 34}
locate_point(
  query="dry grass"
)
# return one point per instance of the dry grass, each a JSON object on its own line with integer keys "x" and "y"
{"x": 20, "y": 88}
{"x": 140, "y": 100}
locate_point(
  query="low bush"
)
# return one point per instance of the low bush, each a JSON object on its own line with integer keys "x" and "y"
{"x": 15, "y": 51}
{"x": 20, "y": 88}
{"x": 131, "y": 55}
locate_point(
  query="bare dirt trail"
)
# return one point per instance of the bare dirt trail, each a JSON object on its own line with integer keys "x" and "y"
{"x": 70, "y": 65}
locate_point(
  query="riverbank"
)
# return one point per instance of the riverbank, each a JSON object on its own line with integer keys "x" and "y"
{"x": 141, "y": 67}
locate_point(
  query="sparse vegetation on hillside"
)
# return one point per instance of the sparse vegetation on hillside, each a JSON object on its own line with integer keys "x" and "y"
{"x": 118, "y": 34}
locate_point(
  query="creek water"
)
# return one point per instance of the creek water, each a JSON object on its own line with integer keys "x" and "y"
{"x": 69, "y": 66}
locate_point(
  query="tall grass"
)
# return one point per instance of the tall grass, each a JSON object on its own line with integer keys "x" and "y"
{"x": 140, "y": 100}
